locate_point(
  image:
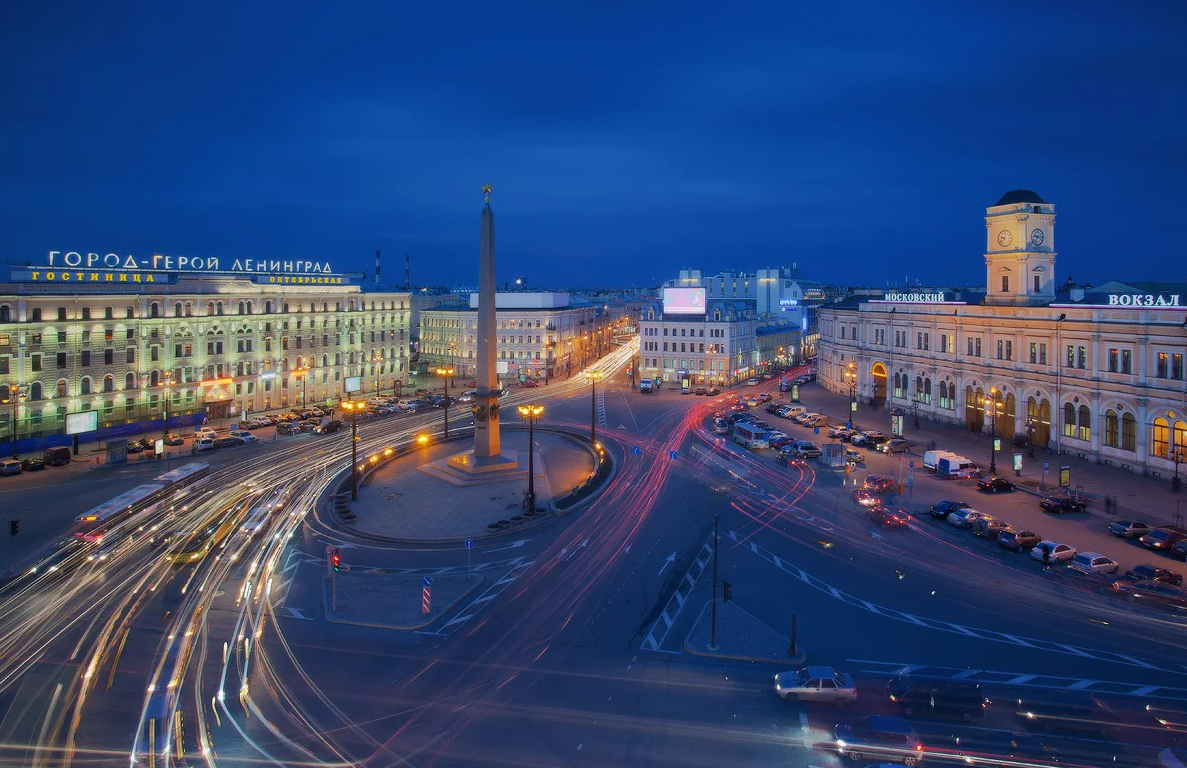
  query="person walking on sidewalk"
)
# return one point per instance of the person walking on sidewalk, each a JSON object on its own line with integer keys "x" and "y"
{"x": 1047, "y": 558}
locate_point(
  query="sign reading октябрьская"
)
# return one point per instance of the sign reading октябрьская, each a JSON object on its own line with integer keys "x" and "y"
{"x": 90, "y": 267}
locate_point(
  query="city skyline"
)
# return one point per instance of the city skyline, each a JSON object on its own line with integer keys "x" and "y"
{"x": 865, "y": 145}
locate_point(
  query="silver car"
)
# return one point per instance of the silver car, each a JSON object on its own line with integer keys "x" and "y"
{"x": 964, "y": 518}
{"x": 816, "y": 684}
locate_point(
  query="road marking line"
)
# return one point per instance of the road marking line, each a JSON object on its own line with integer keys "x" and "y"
{"x": 1145, "y": 690}
{"x": 295, "y": 613}
{"x": 1021, "y": 680}
{"x": 677, "y": 601}
{"x": 1082, "y": 684}
{"x": 1075, "y": 650}
{"x": 805, "y": 731}
{"x": 1139, "y": 662}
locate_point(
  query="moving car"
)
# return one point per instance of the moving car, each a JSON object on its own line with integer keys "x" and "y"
{"x": 999, "y": 748}
{"x": 529, "y": 383}
{"x": 1154, "y": 573}
{"x": 816, "y": 684}
{"x": 866, "y": 497}
{"x": 805, "y": 449}
{"x": 878, "y": 483}
{"x": 923, "y": 696}
{"x": 1157, "y": 593}
{"x": 879, "y": 737}
{"x": 702, "y": 391}
{"x": 752, "y": 382}
{"x": 1085, "y": 716}
{"x": 1128, "y": 529}
{"x": 1094, "y": 562}
{"x": 888, "y": 518}
{"x": 714, "y": 391}
{"x": 995, "y": 485}
{"x": 1059, "y": 552}
{"x": 133, "y": 446}
{"x": 1059, "y": 505}
{"x": 857, "y": 457}
{"x": 329, "y": 427}
{"x": 1017, "y": 540}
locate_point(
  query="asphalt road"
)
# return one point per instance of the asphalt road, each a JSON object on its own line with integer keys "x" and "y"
{"x": 552, "y": 665}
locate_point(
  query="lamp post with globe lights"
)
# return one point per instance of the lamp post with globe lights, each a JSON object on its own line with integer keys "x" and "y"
{"x": 354, "y": 409}
{"x": 594, "y": 377}
{"x": 16, "y": 395}
{"x": 992, "y": 402}
{"x": 531, "y": 413}
{"x": 445, "y": 374}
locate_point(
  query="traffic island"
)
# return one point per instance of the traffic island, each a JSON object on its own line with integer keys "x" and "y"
{"x": 386, "y": 601}
{"x": 740, "y": 636}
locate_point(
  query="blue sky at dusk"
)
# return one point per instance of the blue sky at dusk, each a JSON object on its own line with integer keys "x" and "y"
{"x": 862, "y": 140}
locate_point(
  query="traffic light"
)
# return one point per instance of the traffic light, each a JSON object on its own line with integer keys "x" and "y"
{"x": 14, "y": 527}
{"x": 336, "y": 561}
{"x": 727, "y": 591}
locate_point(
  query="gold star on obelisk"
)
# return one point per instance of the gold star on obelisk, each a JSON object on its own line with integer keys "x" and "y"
{"x": 486, "y": 192}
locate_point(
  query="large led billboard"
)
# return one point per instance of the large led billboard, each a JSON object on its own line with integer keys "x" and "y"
{"x": 684, "y": 301}
{"x": 353, "y": 384}
{"x": 81, "y": 423}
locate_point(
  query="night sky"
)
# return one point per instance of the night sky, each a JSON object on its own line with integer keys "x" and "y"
{"x": 624, "y": 140}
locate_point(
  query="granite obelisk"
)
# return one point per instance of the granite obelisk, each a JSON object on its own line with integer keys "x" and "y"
{"x": 486, "y": 401}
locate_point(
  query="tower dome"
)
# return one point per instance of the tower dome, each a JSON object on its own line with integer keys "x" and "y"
{"x": 1016, "y": 196}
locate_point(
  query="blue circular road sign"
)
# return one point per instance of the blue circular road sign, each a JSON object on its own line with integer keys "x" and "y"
{"x": 427, "y": 581}
{"x": 469, "y": 543}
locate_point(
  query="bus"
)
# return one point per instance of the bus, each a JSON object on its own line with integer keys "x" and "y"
{"x": 749, "y": 435}
{"x": 202, "y": 543}
{"x": 91, "y": 526}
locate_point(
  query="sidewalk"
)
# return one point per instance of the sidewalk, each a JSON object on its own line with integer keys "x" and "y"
{"x": 1147, "y": 499}
{"x": 740, "y": 636}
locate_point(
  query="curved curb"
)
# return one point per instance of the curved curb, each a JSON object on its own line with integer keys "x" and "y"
{"x": 339, "y": 483}
{"x": 796, "y": 660}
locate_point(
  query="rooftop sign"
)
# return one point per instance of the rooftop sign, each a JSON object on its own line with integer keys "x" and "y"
{"x": 1134, "y": 300}
{"x": 92, "y": 267}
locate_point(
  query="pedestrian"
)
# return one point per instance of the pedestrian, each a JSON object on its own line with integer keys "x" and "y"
{"x": 1046, "y": 557}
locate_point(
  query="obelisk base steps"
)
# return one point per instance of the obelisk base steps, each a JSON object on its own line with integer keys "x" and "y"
{"x": 467, "y": 461}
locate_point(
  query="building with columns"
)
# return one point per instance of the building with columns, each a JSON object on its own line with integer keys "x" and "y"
{"x": 122, "y": 341}
{"x": 1098, "y": 373}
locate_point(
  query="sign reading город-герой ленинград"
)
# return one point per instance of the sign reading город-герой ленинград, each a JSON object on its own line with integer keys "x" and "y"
{"x": 91, "y": 267}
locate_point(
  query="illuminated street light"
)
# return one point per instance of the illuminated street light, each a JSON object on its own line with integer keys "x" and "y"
{"x": 594, "y": 377}
{"x": 531, "y": 413}
{"x": 446, "y": 373}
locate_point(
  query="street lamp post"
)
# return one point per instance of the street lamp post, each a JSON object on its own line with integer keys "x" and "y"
{"x": 915, "y": 409}
{"x": 1177, "y": 457}
{"x": 16, "y": 395}
{"x": 354, "y": 407}
{"x": 301, "y": 371}
{"x": 850, "y": 375}
{"x": 594, "y": 376}
{"x": 531, "y": 413}
{"x": 445, "y": 374}
{"x": 988, "y": 402}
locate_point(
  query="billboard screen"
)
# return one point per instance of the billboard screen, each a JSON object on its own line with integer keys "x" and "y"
{"x": 684, "y": 301}
{"x": 78, "y": 423}
{"x": 353, "y": 384}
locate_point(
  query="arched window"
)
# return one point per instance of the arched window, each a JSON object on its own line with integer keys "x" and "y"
{"x": 210, "y": 307}
{"x": 1129, "y": 433}
{"x": 1112, "y": 429}
{"x": 189, "y": 309}
{"x": 325, "y": 360}
{"x": 337, "y": 358}
{"x": 154, "y": 378}
{"x": 5, "y": 313}
{"x": 1179, "y": 437}
{"x": 267, "y": 307}
{"x": 927, "y": 391}
{"x": 242, "y": 308}
{"x": 325, "y": 307}
{"x": 84, "y": 386}
{"x": 350, "y": 306}
{"x": 1161, "y": 435}
{"x": 286, "y": 308}
{"x": 1085, "y": 429}
{"x": 35, "y": 392}
{"x": 154, "y": 310}
{"x": 130, "y": 381}
{"x": 177, "y": 309}
{"x": 218, "y": 308}
{"x": 130, "y": 312}
{"x": 4, "y": 393}
{"x": 62, "y": 390}
{"x": 1069, "y": 420}
{"x": 108, "y": 383}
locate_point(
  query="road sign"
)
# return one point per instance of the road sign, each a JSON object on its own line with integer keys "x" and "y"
{"x": 673, "y": 455}
{"x": 910, "y": 479}
{"x": 427, "y": 581}
{"x": 636, "y": 450}
{"x": 816, "y": 430}
{"x": 911, "y": 463}
{"x": 849, "y": 425}
{"x": 469, "y": 543}
{"x": 1046, "y": 467}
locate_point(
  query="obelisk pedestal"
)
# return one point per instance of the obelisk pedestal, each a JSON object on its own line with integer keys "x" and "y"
{"x": 486, "y": 456}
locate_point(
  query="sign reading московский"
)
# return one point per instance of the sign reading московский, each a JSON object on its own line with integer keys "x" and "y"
{"x": 163, "y": 263}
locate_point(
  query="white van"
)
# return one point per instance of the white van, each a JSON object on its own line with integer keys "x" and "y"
{"x": 404, "y": 403}
{"x": 954, "y": 466}
{"x": 931, "y": 457}
{"x": 793, "y": 411}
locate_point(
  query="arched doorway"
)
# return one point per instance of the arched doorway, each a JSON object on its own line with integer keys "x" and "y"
{"x": 1006, "y": 426}
{"x": 878, "y": 375}
{"x": 1038, "y": 417}
{"x": 974, "y": 409}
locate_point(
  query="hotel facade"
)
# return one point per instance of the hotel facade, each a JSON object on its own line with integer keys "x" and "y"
{"x": 124, "y": 340}
{"x": 1097, "y": 373}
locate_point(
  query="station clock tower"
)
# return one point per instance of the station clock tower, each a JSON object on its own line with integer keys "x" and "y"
{"x": 1020, "y": 250}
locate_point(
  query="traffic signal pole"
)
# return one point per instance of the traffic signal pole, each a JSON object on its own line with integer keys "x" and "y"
{"x": 713, "y": 620}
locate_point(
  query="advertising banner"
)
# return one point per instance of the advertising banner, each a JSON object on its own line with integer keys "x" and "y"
{"x": 684, "y": 301}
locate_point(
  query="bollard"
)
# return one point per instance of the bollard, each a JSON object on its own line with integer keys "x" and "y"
{"x": 791, "y": 649}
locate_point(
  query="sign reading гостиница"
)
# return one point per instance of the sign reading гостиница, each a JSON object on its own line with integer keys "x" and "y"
{"x": 91, "y": 267}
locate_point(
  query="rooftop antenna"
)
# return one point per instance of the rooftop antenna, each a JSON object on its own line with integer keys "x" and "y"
{"x": 376, "y": 269}
{"x": 407, "y": 272}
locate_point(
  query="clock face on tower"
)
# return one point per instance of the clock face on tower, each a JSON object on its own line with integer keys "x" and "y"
{"x": 1004, "y": 238}
{"x": 1036, "y": 237}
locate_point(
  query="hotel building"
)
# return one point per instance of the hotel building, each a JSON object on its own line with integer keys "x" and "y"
{"x": 123, "y": 341}
{"x": 1098, "y": 373}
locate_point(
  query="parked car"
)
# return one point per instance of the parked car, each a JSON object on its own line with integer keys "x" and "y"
{"x": 1154, "y": 573}
{"x": 1059, "y": 552}
{"x": 894, "y": 446}
{"x": 946, "y": 507}
{"x": 805, "y": 449}
{"x": 1094, "y": 562}
{"x": 964, "y": 518}
{"x": 855, "y": 456}
{"x": 242, "y": 437}
{"x": 1059, "y": 505}
{"x": 1180, "y": 548}
{"x": 174, "y": 440}
{"x": 702, "y": 391}
{"x": 1163, "y": 537}
{"x": 1156, "y": 593}
{"x": 33, "y": 464}
{"x": 10, "y": 467}
{"x": 227, "y": 442}
{"x": 329, "y": 427}
{"x": 888, "y": 518}
{"x": 1017, "y": 540}
{"x": 989, "y": 528}
{"x": 529, "y": 383}
{"x": 821, "y": 684}
{"x": 1129, "y": 529}
{"x": 860, "y": 438}
{"x": 922, "y": 696}
{"x": 133, "y": 446}
{"x": 995, "y": 485}
{"x": 714, "y": 391}
{"x": 201, "y": 444}
{"x": 879, "y": 738}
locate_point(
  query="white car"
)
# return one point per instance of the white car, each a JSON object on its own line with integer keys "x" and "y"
{"x": 1059, "y": 552}
{"x": 816, "y": 684}
{"x": 202, "y": 444}
{"x": 206, "y": 433}
{"x": 752, "y": 382}
{"x": 964, "y": 518}
{"x": 1094, "y": 562}
{"x": 243, "y": 436}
